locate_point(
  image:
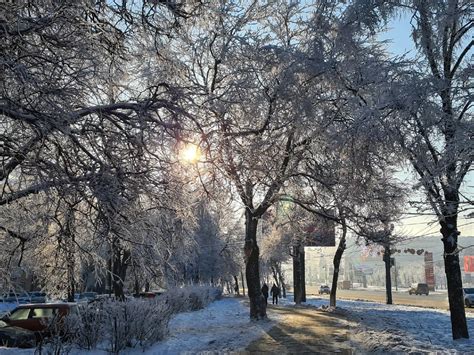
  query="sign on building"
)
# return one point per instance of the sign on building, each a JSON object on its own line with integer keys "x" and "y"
{"x": 468, "y": 263}
{"x": 429, "y": 271}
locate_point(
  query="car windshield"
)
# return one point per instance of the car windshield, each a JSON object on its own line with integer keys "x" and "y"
{"x": 469, "y": 290}
{"x": 20, "y": 314}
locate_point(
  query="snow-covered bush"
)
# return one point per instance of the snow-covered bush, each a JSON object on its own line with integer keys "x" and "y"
{"x": 114, "y": 326}
{"x": 87, "y": 326}
{"x": 191, "y": 298}
{"x": 117, "y": 325}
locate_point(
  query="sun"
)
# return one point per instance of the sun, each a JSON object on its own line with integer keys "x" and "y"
{"x": 190, "y": 153}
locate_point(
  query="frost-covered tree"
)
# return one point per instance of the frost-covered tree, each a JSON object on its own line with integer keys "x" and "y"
{"x": 214, "y": 259}
{"x": 426, "y": 107}
{"x": 80, "y": 111}
{"x": 240, "y": 62}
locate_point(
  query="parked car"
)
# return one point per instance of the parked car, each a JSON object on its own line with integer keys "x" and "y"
{"x": 27, "y": 324}
{"x": 37, "y": 297}
{"x": 324, "y": 289}
{"x": 24, "y": 297}
{"x": 145, "y": 295}
{"x": 468, "y": 296}
{"x": 87, "y": 296}
{"x": 10, "y": 297}
{"x": 419, "y": 289}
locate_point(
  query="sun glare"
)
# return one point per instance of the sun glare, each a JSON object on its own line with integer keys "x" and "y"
{"x": 190, "y": 153}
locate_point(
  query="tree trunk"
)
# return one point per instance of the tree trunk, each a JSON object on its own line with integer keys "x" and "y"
{"x": 303, "y": 274}
{"x": 282, "y": 281}
{"x": 252, "y": 273}
{"x": 243, "y": 285}
{"x": 337, "y": 263}
{"x": 120, "y": 264}
{"x": 453, "y": 277}
{"x": 236, "y": 286}
{"x": 297, "y": 277}
{"x": 70, "y": 253}
{"x": 388, "y": 279}
{"x": 137, "y": 287}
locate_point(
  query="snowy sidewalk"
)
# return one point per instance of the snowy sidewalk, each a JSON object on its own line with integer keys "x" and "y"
{"x": 304, "y": 330}
{"x": 383, "y": 328}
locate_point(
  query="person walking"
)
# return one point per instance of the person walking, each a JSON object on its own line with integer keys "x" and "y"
{"x": 275, "y": 291}
{"x": 265, "y": 292}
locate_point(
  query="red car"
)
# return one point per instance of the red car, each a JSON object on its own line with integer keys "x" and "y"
{"x": 29, "y": 323}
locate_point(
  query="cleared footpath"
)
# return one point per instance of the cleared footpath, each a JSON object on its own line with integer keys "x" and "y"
{"x": 304, "y": 330}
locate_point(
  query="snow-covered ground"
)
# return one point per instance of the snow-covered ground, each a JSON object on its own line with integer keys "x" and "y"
{"x": 224, "y": 327}
{"x": 405, "y": 329}
{"x": 221, "y": 327}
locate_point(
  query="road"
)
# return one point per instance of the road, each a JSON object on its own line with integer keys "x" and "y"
{"x": 438, "y": 299}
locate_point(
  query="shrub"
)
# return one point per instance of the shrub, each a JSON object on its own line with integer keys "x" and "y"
{"x": 136, "y": 322}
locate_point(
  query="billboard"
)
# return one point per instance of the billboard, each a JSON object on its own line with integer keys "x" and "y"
{"x": 320, "y": 233}
{"x": 429, "y": 271}
{"x": 468, "y": 263}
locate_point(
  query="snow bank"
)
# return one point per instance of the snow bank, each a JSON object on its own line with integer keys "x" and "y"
{"x": 222, "y": 327}
{"x": 393, "y": 328}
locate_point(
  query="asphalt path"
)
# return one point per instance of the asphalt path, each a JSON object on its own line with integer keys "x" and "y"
{"x": 437, "y": 299}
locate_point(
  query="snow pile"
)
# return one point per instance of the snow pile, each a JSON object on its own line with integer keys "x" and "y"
{"x": 223, "y": 326}
{"x": 393, "y": 328}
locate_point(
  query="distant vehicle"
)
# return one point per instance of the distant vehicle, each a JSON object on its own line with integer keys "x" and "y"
{"x": 37, "y": 297}
{"x": 145, "y": 295}
{"x": 419, "y": 289}
{"x": 87, "y": 296}
{"x": 24, "y": 298}
{"x": 468, "y": 296}
{"x": 27, "y": 324}
{"x": 10, "y": 297}
{"x": 324, "y": 289}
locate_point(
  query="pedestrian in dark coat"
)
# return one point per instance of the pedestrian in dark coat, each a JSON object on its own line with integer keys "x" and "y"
{"x": 275, "y": 291}
{"x": 265, "y": 292}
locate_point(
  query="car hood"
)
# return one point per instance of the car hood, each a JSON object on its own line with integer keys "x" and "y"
{"x": 17, "y": 337}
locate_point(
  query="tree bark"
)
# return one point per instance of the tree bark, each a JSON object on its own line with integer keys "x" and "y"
{"x": 275, "y": 276}
{"x": 279, "y": 279}
{"x": 70, "y": 252}
{"x": 388, "y": 279}
{"x": 453, "y": 277}
{"x": 252, "y": 273}
{"x": 337, "y": 263}
{"x": 236, "y": 286}
{"x": 297, "y": 277}
{"x": 282, "y": 281}
{"x": 119, "y": 266}
{"x": 243, "y": 285}
{"x": 303, "y": 274}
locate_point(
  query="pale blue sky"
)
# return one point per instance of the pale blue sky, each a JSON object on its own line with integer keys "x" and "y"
{"x": 399, "y": 34}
